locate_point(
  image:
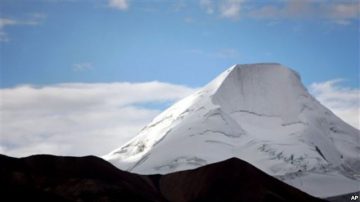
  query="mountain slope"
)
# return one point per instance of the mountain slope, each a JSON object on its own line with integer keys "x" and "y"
{"x": 53, "y": 178}
{"x": 260, "y": 113}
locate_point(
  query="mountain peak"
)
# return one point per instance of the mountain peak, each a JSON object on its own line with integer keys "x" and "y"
{"x": 261, "y": 64}
{"x": 256, "y": 71}
{"x": 260, "y": 113}
{"x": 264, "y": 66}
{"x": 263, "y": 88}
{"x": 272, "y": 72}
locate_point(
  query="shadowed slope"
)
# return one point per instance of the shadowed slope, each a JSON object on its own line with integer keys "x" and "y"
{"x": 48, "y": 178}
{"x": 53, "y": 178}
{"x": 229, "y": 180}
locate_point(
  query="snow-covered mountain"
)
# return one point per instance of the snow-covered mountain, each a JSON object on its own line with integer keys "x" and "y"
{"x": 260, "y": 113}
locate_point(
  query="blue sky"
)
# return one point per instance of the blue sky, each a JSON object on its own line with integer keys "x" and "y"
{"x": 183, "y": 42}
{"x": 89, "y": 74}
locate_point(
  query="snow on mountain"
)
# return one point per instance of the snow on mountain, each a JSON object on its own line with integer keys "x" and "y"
{"x": 260, "y": 113}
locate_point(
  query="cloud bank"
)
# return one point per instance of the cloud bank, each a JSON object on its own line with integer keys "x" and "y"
{"x": 78, "y": 118}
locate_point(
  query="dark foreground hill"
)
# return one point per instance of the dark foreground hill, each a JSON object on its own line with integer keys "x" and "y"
{"x": 54, "y": 178}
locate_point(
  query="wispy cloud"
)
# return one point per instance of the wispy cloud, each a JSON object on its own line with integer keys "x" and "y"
{"x": 119, "y": 4}
{"x": 78, "y": 118}
{"x": 33, "y": 20}
{"x": 343, "y": 13}
{"x": 189, "y": 19}
{"x": 82, "y": 66}
{"x": 339, "y": 12}
{"x": 227, "y": 53}
{"x": 343, "y": 101}
{"x": 208, "y": 6}
{"x": 195, "y": 51}
{"x": 6, "y": 22}
{"x": 179, "y": 5}
{"x": 4, "y": 36}
{"x": 289, "y": 9}
{"x": 231, "y": 9}
{"x": 220, "y": 53}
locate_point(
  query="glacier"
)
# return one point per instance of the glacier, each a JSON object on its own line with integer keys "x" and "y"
{"x": 260, "y": 113}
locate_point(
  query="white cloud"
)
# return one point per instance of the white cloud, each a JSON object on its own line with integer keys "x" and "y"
{"x": 119, "y": 4}
{"x": 78, "y": 118}
{"x": 231, "y": 8}
{"x": 82, "y": 66}
{"x": 344, "y": 102}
